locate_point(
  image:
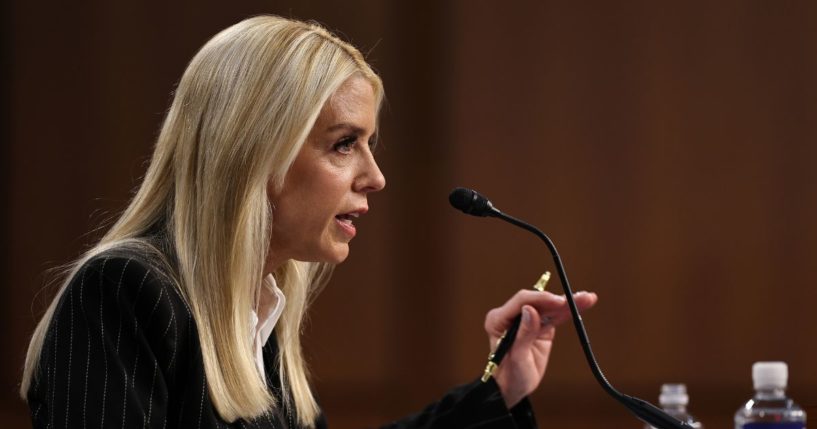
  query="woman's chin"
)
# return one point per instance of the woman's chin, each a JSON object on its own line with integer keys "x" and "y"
{"x": 340, "y": 254}
{"x": 336, "y": 255}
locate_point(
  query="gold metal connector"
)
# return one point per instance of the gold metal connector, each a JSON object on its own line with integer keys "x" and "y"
{"x": 542, "y": 283}
{"x": 489, "y": 371}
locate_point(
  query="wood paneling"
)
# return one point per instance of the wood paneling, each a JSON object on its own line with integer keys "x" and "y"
{"x": 668, "y": 150}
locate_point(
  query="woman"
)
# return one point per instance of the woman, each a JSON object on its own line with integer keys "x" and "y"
{"x": 262, "y": 165}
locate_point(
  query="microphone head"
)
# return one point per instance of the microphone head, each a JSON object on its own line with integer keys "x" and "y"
{"x": 471, "y": 202}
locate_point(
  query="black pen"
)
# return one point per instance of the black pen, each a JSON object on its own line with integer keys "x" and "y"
{"x": 506, "y": 340}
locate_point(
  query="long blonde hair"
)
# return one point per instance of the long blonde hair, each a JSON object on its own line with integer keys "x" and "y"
{"x": 239, "y": 116}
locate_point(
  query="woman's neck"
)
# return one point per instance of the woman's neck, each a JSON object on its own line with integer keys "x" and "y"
{"x": 272, "y": 264}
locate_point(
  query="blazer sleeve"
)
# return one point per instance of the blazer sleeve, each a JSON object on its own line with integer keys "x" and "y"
{"x": 474, "y": 405}
{"x": 110, "y": 349}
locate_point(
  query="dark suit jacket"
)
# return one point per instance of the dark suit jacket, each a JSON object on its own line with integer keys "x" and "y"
{"x": 122, "y": 351}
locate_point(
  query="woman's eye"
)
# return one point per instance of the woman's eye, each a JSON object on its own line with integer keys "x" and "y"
{"x": 345, "y": 145}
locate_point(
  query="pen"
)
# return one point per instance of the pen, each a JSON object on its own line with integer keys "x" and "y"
{"x": 506, "y": 340}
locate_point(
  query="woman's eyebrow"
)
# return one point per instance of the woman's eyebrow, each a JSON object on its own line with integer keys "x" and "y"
{"x": 346, "y": 126}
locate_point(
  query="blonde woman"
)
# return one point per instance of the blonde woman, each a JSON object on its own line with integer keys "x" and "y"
{"x": 187, "y": 313}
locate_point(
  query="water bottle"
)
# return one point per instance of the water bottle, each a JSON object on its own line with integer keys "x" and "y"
{"x": 674, "y": 400}
{"x": 770, "y": 408}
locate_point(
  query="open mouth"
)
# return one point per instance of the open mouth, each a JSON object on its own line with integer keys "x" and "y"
{"x": 347, "y": 218}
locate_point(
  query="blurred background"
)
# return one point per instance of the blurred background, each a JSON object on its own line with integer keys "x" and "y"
{"x": 668, "y": 149}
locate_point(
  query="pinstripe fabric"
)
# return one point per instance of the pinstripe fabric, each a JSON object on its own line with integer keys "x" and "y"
{"x": 122, "y": 352}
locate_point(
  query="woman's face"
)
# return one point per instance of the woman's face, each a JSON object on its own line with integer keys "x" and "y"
{"x": 327, "y": 186}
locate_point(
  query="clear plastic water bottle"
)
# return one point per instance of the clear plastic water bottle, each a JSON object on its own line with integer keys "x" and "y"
{"x": 674, "y": 401}
{"x": 770, "y": 408}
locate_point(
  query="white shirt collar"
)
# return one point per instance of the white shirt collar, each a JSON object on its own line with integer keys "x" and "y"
{"x": 269, "y": 304}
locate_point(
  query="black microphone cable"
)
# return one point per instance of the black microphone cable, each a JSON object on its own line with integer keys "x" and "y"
{"x": 472, "y": 203}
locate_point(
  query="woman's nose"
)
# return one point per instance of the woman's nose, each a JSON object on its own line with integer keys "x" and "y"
{"x": 371, "y": 178}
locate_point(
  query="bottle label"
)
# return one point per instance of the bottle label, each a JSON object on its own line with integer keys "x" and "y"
{"x": 778, "y": 425}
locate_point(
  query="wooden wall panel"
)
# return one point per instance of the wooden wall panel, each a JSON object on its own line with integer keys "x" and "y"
{"x": 667, "y": 149}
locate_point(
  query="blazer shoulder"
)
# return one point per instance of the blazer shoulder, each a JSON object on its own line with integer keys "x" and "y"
{"x": 120, "y": 333}
{"x": 128, "y": 277}
{"x": 115, "y": 286}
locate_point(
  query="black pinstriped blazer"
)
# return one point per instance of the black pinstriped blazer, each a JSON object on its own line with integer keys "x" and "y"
{"x": 122, "y": 352}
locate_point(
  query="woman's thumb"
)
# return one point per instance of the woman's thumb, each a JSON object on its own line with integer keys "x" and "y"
{"x": 528, "y": 328}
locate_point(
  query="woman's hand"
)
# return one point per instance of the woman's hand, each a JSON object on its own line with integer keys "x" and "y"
{"x": 522, "y": 369}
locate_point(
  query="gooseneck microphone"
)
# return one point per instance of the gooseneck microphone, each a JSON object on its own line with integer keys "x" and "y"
{"x": 472, "y": 203}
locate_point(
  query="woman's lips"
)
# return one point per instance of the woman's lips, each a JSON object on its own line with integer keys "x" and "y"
{"x": 345, "y": 222}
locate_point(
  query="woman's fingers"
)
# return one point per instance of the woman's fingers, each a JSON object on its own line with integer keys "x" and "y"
{"x": 525, "y": 364}
{"x": 583, "y": 300}
{"x": 499, "y": 319}
{"x": 550, "y": 308}
{"x": 532, "y": 328}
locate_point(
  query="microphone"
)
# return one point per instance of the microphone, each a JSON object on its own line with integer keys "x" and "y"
{"x": 472, "y": 203}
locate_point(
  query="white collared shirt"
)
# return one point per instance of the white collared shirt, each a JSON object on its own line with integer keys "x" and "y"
{"x": 269, "y": 304}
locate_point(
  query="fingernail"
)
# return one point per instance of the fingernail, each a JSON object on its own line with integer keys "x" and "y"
{"x": 526, "y": 316}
